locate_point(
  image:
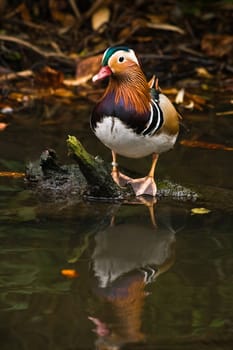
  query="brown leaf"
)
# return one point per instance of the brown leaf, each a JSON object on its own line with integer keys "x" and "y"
{"x": 217, "y": 45}
{"x": 48, "y": 76}
{"x": 129, "y": 30}
{"x": 58, "y": 13}
{"x": 11, "y": 174}
{"x": 16, "y": 96}
{"x": 63, "y": 93}
{"x": 87, "y": 67}
{"x": 196, "y": 98}
{"x": 206, "y": 145}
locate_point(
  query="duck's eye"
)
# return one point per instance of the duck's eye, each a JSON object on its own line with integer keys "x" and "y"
{"x": 121, "y": 59}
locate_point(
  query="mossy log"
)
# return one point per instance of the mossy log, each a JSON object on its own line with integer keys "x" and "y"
{"x": 89, "y": 177}
{"x": 96, "y": 172}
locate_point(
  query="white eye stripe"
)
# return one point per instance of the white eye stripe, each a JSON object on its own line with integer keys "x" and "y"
{"x": 127, "y": 55}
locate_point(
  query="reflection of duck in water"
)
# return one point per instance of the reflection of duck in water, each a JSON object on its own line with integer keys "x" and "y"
{"x": 127, "y": 257}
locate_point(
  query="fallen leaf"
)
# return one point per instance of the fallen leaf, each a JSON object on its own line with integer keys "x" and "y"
{"x": 158, "y": 22}
{"x": 70, "y": 273}
{"x": 63, "y": 93}
{"x": 196, "y": 98}
{"x": 3, "y": 126}
{"x": 58, "y": 13}
{"x": 207, "y": 145}
{"x": 6, "y": 110}
{"x": 16, "y": 96}
{"x": 165, "y": 26}
{"x": 48, "y": 76}
{"x": 180, "y": 96}
{"x": 203, "y": 73}
{"x": 11, "y": 174}
{"x": 99, "y": 18}
{"x": 217, "y": 45}
{"x": 86, "y": 68}
{"x": 225, "y": 113}
{"x": 200, "y": 211}
{"x": 170, "y": 91}
{"x": 23, "y": 10}
{"x": 78, "y": 81}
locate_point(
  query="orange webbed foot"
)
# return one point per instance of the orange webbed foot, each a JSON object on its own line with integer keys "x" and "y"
{"x": 144, "y": 186}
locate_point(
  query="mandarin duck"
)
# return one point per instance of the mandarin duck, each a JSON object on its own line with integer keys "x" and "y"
{"x": 133, "y": 118}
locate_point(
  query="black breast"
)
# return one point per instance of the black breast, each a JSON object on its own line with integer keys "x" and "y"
{"x": 129, "y": 116}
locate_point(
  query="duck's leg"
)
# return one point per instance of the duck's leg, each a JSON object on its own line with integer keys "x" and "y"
{"x": 118, "y": 177}
{"x": 150, "y": 203}
{"x": 146, "y": 185}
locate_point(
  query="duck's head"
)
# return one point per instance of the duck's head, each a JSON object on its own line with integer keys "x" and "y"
{"x": 116, "y": 60}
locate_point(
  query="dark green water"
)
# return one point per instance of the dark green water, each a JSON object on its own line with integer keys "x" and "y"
{"x": 139, "y": 286}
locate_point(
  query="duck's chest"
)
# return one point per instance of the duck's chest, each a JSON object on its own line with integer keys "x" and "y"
{"x": 128, "y": 115}
{"x": 125, "y": 131}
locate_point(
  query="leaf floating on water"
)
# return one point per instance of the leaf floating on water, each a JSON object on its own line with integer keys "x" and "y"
{"x": 11, "y": 174}
{"x": 225, "y": 113}
{"x": 69, "y": 273}
{"x": 200, "y": 211}
{"x": 3, "y": 126}
{"x": 207, "y": 145}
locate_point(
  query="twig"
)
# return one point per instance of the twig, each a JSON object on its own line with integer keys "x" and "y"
{"x": 32, "y": 47}
{"x": 75, "y": 9}
{"x": 12, "y": 76}
{"x": 94, "y": 7}
{"x": 224, "y": 113}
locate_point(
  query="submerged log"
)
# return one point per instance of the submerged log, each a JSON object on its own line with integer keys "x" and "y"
{"x": 90, "y": 177}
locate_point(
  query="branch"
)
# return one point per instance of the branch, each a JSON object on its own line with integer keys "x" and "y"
{"x": 12, "y": 76}
{"x": 33, "y": 47}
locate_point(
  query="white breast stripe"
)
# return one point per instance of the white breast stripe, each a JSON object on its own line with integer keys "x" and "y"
{"x": 158, "y": 118}
{"x": 153, "y": 115}
{"x": 150, "y": 120}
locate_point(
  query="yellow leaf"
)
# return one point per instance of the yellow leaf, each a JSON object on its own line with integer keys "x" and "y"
{"x": 203, "y": 73}
{"x": 200, "y": 211}
{"x": 100, "y": 17}
{"x": 63, "y": 93}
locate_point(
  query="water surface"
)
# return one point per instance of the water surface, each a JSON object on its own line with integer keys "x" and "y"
{"x": 141, "y": 282}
